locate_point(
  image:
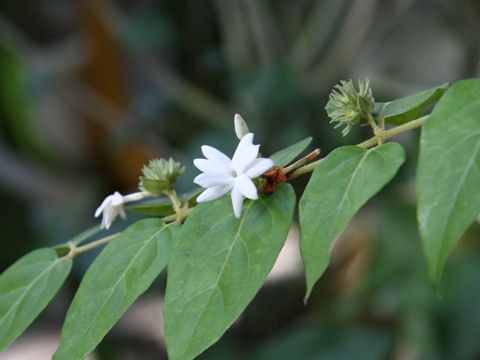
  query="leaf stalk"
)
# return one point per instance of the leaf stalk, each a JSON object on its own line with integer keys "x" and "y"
{"x": 380, "y": 137}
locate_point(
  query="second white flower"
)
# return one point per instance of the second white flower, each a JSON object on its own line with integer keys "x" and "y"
{"x": 222, "y": 174}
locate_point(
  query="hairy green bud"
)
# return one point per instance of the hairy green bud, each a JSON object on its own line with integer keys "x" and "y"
{"x": 160, "y": 175}
{"x": 347, "y": 106}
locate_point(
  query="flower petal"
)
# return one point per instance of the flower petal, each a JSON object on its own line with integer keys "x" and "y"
{"x": 105, "y": 224}
{"x": 117, "y": 199}
{"x": 258, "y": 167}
{"x": 244, "y": 155}
{"x": 109, "y": 214}
{"x": 103, "y": 205}
{"x": 237, "y": 201}
{"x": 246, "y": 186}
{"x": 213, "y": 193}
{"x": 207, "y": 180}
{"x": 206, "y": 166}
{"x": 217, "y": 157}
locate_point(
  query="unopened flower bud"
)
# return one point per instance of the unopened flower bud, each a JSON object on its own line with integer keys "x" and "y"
{"x": 241, "y": 128}
{"x": 347, "y": 106}
{"x": 160, "y": 175}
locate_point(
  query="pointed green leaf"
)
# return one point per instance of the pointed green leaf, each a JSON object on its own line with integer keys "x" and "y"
{"x": 448, "y": 177}
{"x": 163, "y": 205}
{"x": 338, "y": 188}
{"x": 218, "y": 265}
{"x": 408, "y": 108}
{"x": 123, "y": 271}
{"x": 285, "y": 156}
{"x": 26, "y": 288}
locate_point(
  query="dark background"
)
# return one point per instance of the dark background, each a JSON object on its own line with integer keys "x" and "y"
{"x": 91, "y": 90}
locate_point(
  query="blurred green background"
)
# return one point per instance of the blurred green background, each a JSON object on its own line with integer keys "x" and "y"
{"x": 91, "y": 90}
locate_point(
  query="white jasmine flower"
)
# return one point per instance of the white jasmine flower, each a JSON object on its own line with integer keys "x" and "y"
{"x": 241, "y": 128}
{"x": 112, "y": 206}
{"x": 221, "y": 175}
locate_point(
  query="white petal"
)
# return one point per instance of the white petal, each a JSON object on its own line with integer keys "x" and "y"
{"x": 246, "y": 186}
{"x": 245, "y": 143}
{"x": 104, "y": 224}
{"x": 208, "y": 166}
{"x": 213, "y": 193}
{"x": 237, "y": 201}
{"x": 117, "y": 199}
{"x": 217, "y": 157}
{"x": 258, "y": 167}
{"x": 109, "y": 215}
{"x": 103, "y": 205}
{"x": 207, "y": 180}
{"x": 244, "y": 155}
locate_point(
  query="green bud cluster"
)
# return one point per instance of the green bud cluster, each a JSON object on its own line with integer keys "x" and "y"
{"x": 347, "y": 106}
{"x": 160, "y": 175}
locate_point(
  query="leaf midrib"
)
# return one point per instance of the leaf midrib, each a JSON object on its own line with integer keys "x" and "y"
{"x": 27, "y": 289}
{"x": 122, "y": 276}
{"x": 347, "y": 190}
{"x": 218, "y": 277}
{"x": 455, "y": 198}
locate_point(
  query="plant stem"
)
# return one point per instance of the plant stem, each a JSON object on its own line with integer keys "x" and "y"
{"x": 304, "y": 169}
{"x": 177, "y": 205}
{"x": 388, "y": 134}
{"x": 376, "y": 130}
{"x": 302, "y": 161}
{"x": 381, "y": 122}
{"x": 174, "y": 217}
{"x": 372, "y": 123}
{"x": 74, "y": 250}
{"x": 385, "y": 135}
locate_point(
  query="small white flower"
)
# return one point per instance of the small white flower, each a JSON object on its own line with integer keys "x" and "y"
{"x": 221, "y": 175}
{"x": 113, "y": 206}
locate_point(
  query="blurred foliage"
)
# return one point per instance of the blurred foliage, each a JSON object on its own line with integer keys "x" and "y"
{"x": 90, "y": 91}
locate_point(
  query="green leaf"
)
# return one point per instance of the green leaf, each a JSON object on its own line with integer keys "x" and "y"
{"x": 285, "y": 156}
{"x": 26, "y": 288}
{"x": 448, "y": 177}
{"x": 408, "y": 108}
{"x": 338, "y": 188}
{"x": 218, "y": 264}
{"x": 163, "y": 205}
{"x": 123, "y": 271}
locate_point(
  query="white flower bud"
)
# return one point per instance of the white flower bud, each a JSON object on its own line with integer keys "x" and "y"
{"x": 241, "y": 128}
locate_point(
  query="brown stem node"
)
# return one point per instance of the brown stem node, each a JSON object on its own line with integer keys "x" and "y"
{"x": 274, "y": 176}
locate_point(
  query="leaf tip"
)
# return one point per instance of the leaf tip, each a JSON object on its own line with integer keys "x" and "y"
{"x": 307, "y": 294}
{"x": 305, "y": 300}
